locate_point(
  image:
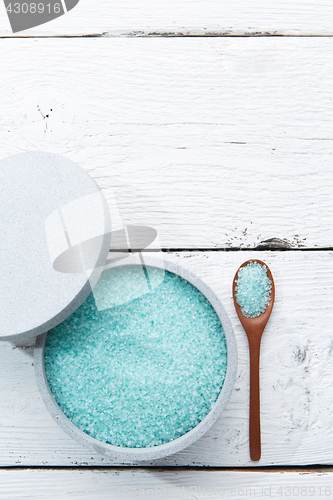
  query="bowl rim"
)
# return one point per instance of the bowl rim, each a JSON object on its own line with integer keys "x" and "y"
{"x": 123, "y": 454}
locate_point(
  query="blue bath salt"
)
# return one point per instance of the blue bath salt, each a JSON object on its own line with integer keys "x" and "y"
{"x": 253, "y": 288}
{"x": 142, "y": 373}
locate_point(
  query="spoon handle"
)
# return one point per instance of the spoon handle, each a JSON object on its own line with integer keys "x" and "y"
{"x": 254, "y": 421}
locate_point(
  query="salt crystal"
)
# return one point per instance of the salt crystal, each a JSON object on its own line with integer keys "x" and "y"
{"x": 253, "y": 288}
{"x": 143, "y": 373}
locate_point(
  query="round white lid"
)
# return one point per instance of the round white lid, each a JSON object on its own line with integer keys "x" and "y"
{"x": 55, "y": 236}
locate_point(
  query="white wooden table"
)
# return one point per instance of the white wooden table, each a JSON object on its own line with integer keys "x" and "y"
{"x": 207, "y": 126}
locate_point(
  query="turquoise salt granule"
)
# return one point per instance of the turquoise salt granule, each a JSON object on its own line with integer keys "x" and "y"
{"x": 253, "y": 289}
{"x": 143, "y": 373}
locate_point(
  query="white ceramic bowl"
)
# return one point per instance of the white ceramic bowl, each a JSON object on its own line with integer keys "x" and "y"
{"x": 123, "y": 454}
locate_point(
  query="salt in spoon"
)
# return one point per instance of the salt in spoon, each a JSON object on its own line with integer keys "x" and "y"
{"x": 254, "y": 328}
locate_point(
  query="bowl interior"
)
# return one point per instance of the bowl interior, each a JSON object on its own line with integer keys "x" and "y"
{"x": 174, "y": 441}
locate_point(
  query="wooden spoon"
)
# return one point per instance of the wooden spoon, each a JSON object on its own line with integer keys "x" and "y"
{"x": 254, "y": 328}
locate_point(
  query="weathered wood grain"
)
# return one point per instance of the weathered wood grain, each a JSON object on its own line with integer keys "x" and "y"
{"x": 296, "y": 377}
{"x": 216, "y": 143}
{"x": 168, "y": 484}
{"x": 211, "y": 17}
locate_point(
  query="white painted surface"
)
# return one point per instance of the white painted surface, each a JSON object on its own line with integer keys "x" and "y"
{"x": 182, "y": 484}
{"x": 296, "y": 377}
{"x": 214, "y": 142}
{"x": 202, "y": 17}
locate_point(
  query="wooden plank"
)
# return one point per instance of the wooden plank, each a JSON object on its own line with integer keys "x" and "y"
{"x": 296, "y": 377}
{"x": 128, "y": 484}
{"x": 216, "y": 143}
{"x": 186, "y": 17}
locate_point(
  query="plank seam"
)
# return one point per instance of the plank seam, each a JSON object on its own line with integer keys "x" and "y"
{"x": 172, "y": 35}
{"x": 268, "y": 469}
{"x": 255, "y": 249}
